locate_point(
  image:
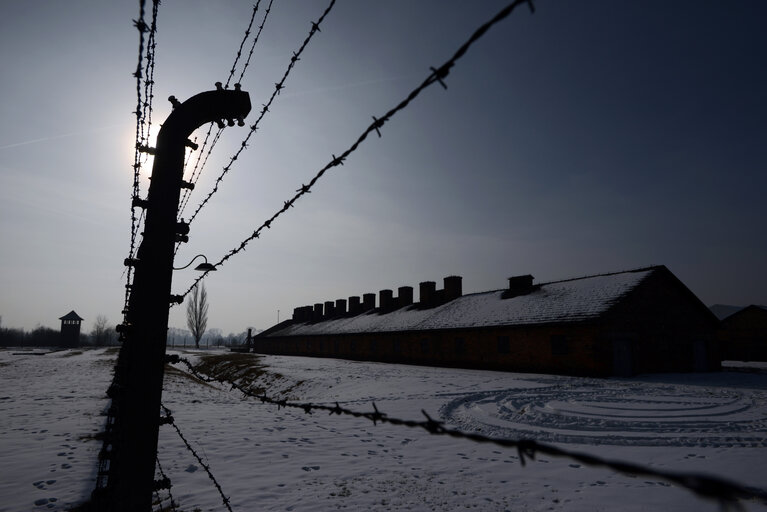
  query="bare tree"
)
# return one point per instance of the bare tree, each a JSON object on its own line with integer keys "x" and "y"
{"x": 197, "y": 313}
{"x": 100, "y": 333}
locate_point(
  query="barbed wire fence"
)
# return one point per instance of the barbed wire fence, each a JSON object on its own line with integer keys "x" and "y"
{"x": 713, "y": 488}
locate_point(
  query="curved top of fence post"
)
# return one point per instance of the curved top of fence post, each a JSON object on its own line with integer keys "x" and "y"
{"x": 203, "y": 108}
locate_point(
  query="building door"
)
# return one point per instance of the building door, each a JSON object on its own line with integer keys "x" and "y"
{"x": 623, "y": 358}
{"x": 699, "y": 356}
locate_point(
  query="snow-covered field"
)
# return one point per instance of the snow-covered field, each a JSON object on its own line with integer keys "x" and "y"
{"x": 269, "y": 459}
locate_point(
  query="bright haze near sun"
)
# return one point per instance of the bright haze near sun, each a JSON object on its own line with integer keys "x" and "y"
{"x": 587, "y": 137}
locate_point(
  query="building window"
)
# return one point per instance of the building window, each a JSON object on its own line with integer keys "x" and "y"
{"x": 424, "y": 346}
{"x": 559, "y": 345}
{"x": 460, "y": 345}
{"x": 504, "y": 346}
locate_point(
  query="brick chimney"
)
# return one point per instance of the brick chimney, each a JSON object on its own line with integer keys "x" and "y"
{"x": 330, "y": 309}
{"x": 519, "y": 285}
{"x": 404, "y": 296}
{"x": 368, "y": 301}
{"x": 317, "y": 313}
{"x": 453, "y": 288}
{"x": 386, "y": 300}
{"x": 355, "y": 307}
{"x": 340, "y": 307}
{"x": 427, "y": 292}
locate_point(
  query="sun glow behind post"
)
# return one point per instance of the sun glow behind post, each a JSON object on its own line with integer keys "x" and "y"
{"x": 146, "y": 160}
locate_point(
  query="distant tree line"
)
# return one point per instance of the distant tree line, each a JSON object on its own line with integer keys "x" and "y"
{"x": 213, "y": 337}
{"x": 103, "y": 334}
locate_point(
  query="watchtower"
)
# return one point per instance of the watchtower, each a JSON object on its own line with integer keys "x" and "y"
{"x": 70, "y": 329}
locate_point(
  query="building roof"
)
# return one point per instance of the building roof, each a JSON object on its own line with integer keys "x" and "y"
{"x": 722, "y": 311}
{"x": 571, "y": 300}
{"x": 753, "y": 308}
{"x": 71, "y": 316}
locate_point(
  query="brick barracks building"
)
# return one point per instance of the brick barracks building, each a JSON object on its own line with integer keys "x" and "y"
{"x": 621, "y": 323}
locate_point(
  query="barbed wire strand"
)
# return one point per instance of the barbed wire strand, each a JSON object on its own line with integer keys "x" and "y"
{"x": 255, "y": 40}
{"x": 170, "y": 420}
{"x": 128, "y": 267}
{"x": 146, "y": 114}
{"x": 437, "y": 75}
{"x": 278, "y": 86}
{"x": 195, "y": 175}
{"x": 192, "y": 178}
{"x": 166, "y": 481}
{"x": 727, "y": 493}
{"x": 141, "y": 26}
{"x": 242, "y": 43}
{"x": 198, "y": 167}
{"x": 143, "y": 112}
{"x": 147, "y": 107}
{"x": 188, "y": 156}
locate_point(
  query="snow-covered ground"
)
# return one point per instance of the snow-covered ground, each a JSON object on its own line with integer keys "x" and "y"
{"x": 270, "y": 459}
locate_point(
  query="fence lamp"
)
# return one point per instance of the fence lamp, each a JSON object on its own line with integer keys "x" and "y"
{"x": 202, "y": 267}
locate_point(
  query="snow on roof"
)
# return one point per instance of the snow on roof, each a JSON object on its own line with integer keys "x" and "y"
{"x": 561, "y": 301}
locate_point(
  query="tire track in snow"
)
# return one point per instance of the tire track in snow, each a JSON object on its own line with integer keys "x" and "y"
{"x": 588, "y": 411}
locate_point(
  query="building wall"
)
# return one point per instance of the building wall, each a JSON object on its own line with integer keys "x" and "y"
{"x": 743, "y": 336}
{"x": 666, "y": 327}
{"x": 70, "y": 333}
{"x": 572, "y": 349}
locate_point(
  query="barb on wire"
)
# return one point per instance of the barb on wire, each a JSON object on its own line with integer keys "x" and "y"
{"x": 437, "y": 75}
{"x": 704, "y": 486}
{"x": 171, "y": 421}
{"x": 278, "y": 87}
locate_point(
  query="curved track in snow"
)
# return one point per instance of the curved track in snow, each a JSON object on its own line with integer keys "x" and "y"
{"x": 615, "y": 413}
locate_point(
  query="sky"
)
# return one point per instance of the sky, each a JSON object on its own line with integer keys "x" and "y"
{"x": 588, "y": 137}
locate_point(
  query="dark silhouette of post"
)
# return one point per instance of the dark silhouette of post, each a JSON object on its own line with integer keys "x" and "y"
{"x": 137, "y": 389}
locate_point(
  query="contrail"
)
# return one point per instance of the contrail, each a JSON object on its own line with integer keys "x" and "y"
{"x": 62, "y": 136}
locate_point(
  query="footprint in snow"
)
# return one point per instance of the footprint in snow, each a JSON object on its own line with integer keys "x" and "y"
{"x": 310, "y": 468}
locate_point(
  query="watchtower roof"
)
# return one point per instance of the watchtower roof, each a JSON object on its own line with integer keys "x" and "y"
{"x": 71, "y": 316}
